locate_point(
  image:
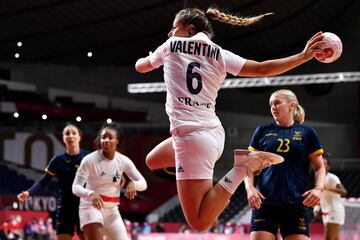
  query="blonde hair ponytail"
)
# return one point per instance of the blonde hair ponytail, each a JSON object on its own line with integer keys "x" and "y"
{"x": 215, "y": 14}
{"x": 299, "y": 114}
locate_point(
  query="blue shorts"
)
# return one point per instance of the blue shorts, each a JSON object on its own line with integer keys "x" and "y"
{"x": 291, "y": 219}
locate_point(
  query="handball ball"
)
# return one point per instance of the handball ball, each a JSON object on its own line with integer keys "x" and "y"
{"x": 331, "y": 48}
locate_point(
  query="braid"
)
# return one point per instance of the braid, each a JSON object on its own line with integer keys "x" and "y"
{"x": 215, "y": 14}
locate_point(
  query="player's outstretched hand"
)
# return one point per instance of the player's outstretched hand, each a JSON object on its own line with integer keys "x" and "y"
{"x": 254, "y": 197}
{"x": 130, "y": 191}
{"x": 23, "y": 196}
{"x": 312, "y": 46}
{"x": 312, "y": 197}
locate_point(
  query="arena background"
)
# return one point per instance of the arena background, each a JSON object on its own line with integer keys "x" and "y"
{"x": 53, "y": 65}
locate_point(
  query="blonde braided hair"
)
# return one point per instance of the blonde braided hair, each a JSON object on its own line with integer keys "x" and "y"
{"x": 201, "y": 20}
{"x": 215, "y": 14}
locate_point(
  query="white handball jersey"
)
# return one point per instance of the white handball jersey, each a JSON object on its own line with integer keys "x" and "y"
{"x": 103, "y": 176}
{"x": 194, "y": 69}
{"x": 329, "y": 200}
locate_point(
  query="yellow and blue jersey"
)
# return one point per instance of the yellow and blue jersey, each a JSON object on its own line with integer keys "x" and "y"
{"x": 286, "y": 182}
{"x": 64, "y": 167}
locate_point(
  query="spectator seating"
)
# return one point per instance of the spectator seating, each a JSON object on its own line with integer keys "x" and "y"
{"x": 32, "y": 105}
{"x": 12, "y": 183}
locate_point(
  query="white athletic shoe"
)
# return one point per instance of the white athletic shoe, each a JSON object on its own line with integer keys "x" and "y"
{"x": 255, "y": 161}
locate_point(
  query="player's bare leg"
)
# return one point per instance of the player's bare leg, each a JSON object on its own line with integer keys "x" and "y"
{"x": 64, "y": 237}
{"x": 202, "y": 202}
{"x": 93, "y": 231}
{"x": 69, "y": 237}
{"x": 162, "y": 156}
{"x": 332, "y": 231}
{"x": 161, "y": 160}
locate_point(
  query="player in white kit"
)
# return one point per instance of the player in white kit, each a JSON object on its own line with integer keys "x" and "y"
{"x": 331, "y": 207}
{"x": 194, "y": 69}
{"x": 97, "y": 183}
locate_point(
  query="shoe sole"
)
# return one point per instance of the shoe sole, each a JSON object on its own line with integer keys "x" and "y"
{"x": 274, "y": 158}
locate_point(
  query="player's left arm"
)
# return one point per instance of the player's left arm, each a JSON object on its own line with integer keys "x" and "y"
{"x": 136, "y": 178}
{"x": 312, "y": 196}
{"x": 136, "y": 181}
{"x": 317, "y": 163}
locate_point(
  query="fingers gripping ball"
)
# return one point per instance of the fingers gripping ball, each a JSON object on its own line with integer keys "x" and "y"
{"x": 331, "y": 48}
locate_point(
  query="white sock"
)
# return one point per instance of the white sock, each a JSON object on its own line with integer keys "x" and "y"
{"x": 233, "y": 178}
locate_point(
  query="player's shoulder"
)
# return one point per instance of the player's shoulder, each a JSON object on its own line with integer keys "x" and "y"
{"x": 58, "y": 157}
{"x": 84, "y": 152}
{"x": 304, "y": 127}
{"x": 332, "y": 176}
{"x": 200, "y": 37}
{"x": 91, "y": 156}
{"x": 122, "y": 157}
{"x": 267, "y": 127}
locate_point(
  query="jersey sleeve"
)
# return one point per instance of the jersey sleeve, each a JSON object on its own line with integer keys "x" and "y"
{"x": 333, "y": 181}
{"x": 314, "y": 145}
{"x": 255, "y": 140}
{"x": 40, "y": 185}
{"x": 234, "y": 63}
{"x": 157, "y": 57}
{"x": 80, "y": 179}
{"x": 53, "y": 166}
{"x": 134, "y": 175}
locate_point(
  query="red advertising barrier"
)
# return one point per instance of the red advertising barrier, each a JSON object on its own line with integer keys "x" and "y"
{"x": 211, "y": 236}
{"x": 191, "y": 236}
{"x": 26, "y": 216}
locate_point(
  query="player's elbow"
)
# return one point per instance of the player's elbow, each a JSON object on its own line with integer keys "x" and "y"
{"x": 143, "y": 186}
{"x": 344, "y": 193}
{"x": 141, "y": 66}
{"x": 74, "y": 189}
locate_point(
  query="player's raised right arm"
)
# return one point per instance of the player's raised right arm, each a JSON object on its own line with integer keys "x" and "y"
{"x": 278, "y": 66}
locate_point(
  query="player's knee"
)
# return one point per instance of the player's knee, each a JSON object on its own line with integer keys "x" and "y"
{"x": 199, "y": 226}
{"x": 150, "y": 162}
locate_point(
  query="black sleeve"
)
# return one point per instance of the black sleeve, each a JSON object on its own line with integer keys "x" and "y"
{"x": 40, "y": 184}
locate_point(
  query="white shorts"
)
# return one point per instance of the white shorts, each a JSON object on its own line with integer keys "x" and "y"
{"x": 109, "y": 217}
{"x": 196, "y": 151}
{"x": 334, "y": 217}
